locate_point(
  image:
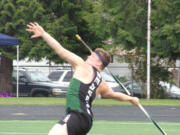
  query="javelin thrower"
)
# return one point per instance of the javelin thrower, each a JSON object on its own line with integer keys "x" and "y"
{"x": 128, "y": 93}
{"x": 84, "y": 86}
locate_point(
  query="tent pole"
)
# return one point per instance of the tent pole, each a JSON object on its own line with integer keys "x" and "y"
{"x": 17, "y": 90}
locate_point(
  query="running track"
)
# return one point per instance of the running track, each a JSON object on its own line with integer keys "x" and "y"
{"x": 123, "y": 113}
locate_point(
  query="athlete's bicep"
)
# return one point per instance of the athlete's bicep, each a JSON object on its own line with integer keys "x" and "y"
{"x": 105, "y": 90}
{"x": 70, "y": 57}
{"x": 65, "y": 54}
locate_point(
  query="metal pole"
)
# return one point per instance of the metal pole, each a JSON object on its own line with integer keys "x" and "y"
{"x": 148, "y": 48}
{"x": 178, "y": 77}
{"x": 0, "y": 59}
{"x": 17, "y": 70}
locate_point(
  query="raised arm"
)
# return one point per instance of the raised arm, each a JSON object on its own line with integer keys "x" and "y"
{"x": 65, "y": 54}
{"x": 106, "y": 91}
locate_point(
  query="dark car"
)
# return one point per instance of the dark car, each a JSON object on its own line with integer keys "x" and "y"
{"x": 134, "y": 88}
{"x": 35, "y": 84}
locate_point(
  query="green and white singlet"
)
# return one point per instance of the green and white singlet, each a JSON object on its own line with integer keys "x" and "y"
{"x": 80, "y": 95}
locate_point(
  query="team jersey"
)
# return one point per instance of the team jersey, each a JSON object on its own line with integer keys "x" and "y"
{"x": 80, "y": 95}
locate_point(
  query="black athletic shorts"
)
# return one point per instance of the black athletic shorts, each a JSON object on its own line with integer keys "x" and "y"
{"x": 77, "y": 123}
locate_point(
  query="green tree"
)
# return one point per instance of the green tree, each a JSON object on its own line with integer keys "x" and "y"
{"x": 128, "y": 22}
{"x": 61, "y": 18}
{"x": 15, "y": 14}
{"x": 166, "y": 29}
{"x": 70, "y": 17}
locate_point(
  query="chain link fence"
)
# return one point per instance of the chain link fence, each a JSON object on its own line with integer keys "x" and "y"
{"x": 121, "y": 71}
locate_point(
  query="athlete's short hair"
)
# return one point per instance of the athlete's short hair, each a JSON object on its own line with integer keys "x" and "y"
{"x": 104, "y": 56}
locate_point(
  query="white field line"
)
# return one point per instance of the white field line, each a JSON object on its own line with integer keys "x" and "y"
{"x": 33, "y": 133}
{"x": 18, "y": 133}
{"x": 26, "y": 121}
{"x": 144, "y": 123}
{"x": 98, "y": 122}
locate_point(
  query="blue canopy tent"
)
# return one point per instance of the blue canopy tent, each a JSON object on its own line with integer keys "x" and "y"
{"x": 6, "y": 40}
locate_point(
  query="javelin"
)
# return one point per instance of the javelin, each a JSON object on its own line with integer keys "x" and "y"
{"x": 117, "y": 80}
{"x": 81, "y": 40}
{"x": 146, "y": 113}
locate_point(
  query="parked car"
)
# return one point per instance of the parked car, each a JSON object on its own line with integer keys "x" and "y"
{"x": 172, "y": 90}
{"x": 35, "y": 84}
{"x": 63, "y": 77}
{"x": 111, "y": 82}
{"x": 134, "y": 88}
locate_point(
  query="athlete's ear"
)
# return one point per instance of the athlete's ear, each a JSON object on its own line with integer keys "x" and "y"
{"x": 99, "y": 63}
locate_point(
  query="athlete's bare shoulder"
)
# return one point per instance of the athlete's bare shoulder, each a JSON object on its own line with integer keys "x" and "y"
{"x": 84, "y": 73}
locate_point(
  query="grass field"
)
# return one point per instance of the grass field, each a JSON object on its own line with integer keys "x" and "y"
{"x": 41, "y": 127}
{"x": 61, "y": 101}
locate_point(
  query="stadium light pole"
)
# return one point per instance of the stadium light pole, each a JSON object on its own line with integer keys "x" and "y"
{"x": 148, "y": 48}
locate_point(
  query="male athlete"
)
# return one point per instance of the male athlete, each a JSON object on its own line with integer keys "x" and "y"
{"x": 84, "y": 86}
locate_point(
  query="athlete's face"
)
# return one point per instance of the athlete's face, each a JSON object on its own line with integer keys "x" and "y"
{"x": 93, "y": 58}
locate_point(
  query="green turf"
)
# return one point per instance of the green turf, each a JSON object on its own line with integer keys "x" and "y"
{"x": 41, "y": 127}
{"x": 61, "y": 101}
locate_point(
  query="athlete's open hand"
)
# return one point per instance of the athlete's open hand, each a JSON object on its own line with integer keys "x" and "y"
{"x": 36, "y": 29}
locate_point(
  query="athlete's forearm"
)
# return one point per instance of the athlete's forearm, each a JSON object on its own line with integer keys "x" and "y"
{"x": 54, "y": 44}
{"x": 65, "y": 54}
{"x": 123, "y": 97}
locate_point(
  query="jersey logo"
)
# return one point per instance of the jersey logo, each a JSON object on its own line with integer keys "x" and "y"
{"x": 91, "y": 89}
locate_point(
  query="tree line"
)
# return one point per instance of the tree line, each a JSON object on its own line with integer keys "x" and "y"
{"x": 124, "y": 22}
